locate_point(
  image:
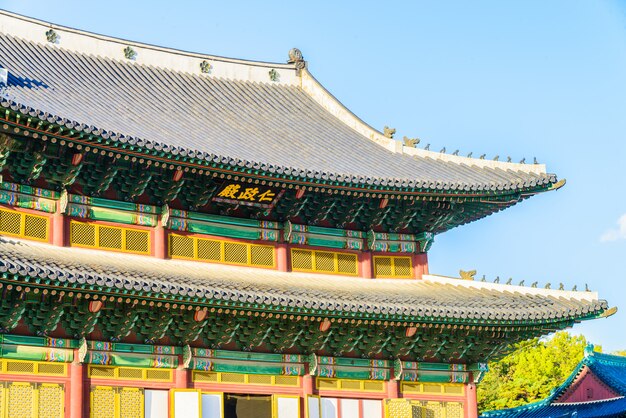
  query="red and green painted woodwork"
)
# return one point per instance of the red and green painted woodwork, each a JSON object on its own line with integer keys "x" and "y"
{"x": 128, "y": 213}
{"x": 99, "y": 209}
{"x": 49, "y": 307}
{"x": 28, "y": 197}
{"x": 20, "y": 347}
{"x": 222, "y": 226}
{"x": 23, "y": 347}
{"x": 54, "y": 156}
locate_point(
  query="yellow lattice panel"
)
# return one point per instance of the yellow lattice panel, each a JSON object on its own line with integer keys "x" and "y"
{"x": 434, "y": 409}
{"x": 398, "y": 408}
{"x": 50, "y": 401}
{"x": 114, "y": 238}
{"x": 220, "y": 251}
{"x": 32, "y": 367}
{"x": 248, "y": 379}
{"x": 131, "y": 403}
{"x": 103, "y": 403}
{"x": 454, "y": 409}
{"x": 453, "y": 389}
{"x": 329, "y": 262}
{"x": 20, "y": 400}
{"x": 2, "y": 400}
{"x": 350, "y": 384}
{"x": 24, "y": 225}
{"x": 129, "y": 373}
{"x": 393, "y": 267}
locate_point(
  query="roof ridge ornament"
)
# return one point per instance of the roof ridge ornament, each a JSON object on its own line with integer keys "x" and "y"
{"x": 52, "y": 36}
{"x": 130, "y": 53}
{"x": 389, "y": 132}
{"x": 296, "y": 58}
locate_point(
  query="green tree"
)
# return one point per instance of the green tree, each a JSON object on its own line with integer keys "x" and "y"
{"x": 530, "y": 372}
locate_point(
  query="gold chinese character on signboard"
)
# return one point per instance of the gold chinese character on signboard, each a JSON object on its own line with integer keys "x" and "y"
{"x": 249, "y": 193}
{"x": 230, "y": 191}
{"x": 267, "y": 196}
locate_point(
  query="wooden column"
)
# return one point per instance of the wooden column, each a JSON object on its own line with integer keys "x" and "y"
{"x": 365, "y": 265}
{"x": 420, "y": 265}
{"x": 307, "y": 385}
{"x": 77, "y": 390}
{"x": 182, "y": 378}
{"x": 282, "y": 257}
{"x": 58, "y": 229}
{"x": 471, "y": 403}
{"x": 393, "y": 389}
{"x": 160, "y": 240}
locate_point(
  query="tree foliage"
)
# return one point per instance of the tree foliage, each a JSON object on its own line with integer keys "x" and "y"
{"x": 530, "y": 372}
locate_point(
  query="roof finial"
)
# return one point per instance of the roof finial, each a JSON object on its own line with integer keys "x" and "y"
{"x": 410, "y": 142}
{"x": 534, "y": 284}
{"x": 443, "y": 150}
{"x": 295, "y": 57}
{"x": 130, "y": 53}
{"x": 589, "y": 348}
{"x": 470, "y": 154}
{"x": 496, "y": 158}
{"x": 455, "y": 152}
{"x": 427, "y": 147}
{"x": 389, "y": 132}
{"x": 523, "y": 161}
{"x": 535, "y": 160}
{"x": 482, "y": 157}
{"x": 52, "y": 36}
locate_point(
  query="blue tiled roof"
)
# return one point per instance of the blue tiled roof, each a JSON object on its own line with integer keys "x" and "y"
{"x": 608, "y": 368}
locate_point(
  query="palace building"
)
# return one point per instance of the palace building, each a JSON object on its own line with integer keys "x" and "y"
{"x": 595, "y": 389}
{"x": 185, "y": 235}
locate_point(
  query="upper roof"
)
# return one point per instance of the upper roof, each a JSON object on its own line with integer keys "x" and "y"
{"x": 237, "y": 111}
{"x": 433, "y": 299}
{"x": 609, "y": 369}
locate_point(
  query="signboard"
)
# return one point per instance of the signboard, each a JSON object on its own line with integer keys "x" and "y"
{"x": 248, "y": 194}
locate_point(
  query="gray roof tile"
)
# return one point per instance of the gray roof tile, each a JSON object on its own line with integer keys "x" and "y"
{"x": 270, "y": 125}
{"x": 418, "y": 299}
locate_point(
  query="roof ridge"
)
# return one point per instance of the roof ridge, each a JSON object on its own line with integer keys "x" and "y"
{"x": 291, "y": 74}
{"x": 82, "y": 41}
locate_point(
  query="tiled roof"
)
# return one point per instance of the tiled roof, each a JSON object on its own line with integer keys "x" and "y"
{"x": 272, "y": 125}
{"x": 610, "y": 369}
{"x": 432, "y": 299}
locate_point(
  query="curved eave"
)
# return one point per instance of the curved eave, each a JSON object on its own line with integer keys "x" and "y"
{"x": 46, "y": 125}
{"x": 430, "y": 301}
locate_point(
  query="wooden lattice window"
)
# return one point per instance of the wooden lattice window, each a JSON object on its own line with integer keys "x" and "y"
{"x": 329, "y": 262}
{"x": 117, "y": 402}
{"x": 24, "y": 225}
{"x": 248, "y": 379}
{"x": 393, "y": 267}
{"x": 220, "y": 251}
{"x": 129, "y": 373}
{"x": 32, "y": 367}
{"x": 32, "y": 400}
{"x": 113, "y": 238}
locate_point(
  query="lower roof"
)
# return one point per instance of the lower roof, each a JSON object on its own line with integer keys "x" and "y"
{"x": 610, "y": 369}
{"x": 433, "y": 299}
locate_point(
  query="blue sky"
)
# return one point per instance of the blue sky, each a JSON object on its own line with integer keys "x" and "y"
{"x": 519, "y": 78}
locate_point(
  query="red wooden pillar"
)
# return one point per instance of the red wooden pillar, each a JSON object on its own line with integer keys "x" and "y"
{"x": 307, "y": 385}
{"x": 393, "y": 389}
{"x": 365, "y": 265}
{"x": 472, "y": 404}
{"x": 182, "y": 378}
{"x": 160, "y": 240}
{"x": 420, "y": 265}
{"x": 77, "y": 390}
{"x": 58, "y": 229}
{"x": 282, "y": 257}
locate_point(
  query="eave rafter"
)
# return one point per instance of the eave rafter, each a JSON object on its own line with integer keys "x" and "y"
{"x": 217, "y": 324}
{"x": 39, "y": 128}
